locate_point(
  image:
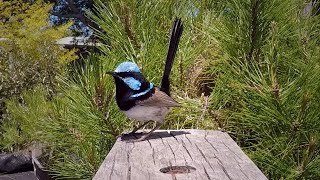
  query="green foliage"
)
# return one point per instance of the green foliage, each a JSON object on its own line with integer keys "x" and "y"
{"x": 249, "y": 67}
{"x": 79, "y": 125}
{"x": 139, "y": 31}
{"x": 76, "y": 132}
{"x": 269, "y": 85}
{"x": 29, "y": 55}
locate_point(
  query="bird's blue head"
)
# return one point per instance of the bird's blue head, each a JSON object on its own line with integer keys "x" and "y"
{"x": 127, "y": 67}
{"x": 129, "y": 74}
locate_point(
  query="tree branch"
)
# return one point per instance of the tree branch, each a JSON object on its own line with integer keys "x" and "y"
{"x": 78, "y": 16}
{"x": 73, "y": 7}
{"x": 254, "y": 27}
{"x": 75, "y": 12}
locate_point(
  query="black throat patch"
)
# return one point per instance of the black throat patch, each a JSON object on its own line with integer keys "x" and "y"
{"x": 130, "y": 88}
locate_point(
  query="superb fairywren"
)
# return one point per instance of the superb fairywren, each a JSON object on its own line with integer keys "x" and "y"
{"x": 138, "y": 98}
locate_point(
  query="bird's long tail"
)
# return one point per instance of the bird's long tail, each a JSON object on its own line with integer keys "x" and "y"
{"x": 176, "y": 32}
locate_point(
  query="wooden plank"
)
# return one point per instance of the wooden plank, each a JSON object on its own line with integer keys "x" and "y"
{"x": 213, "y": 154}
{"x": 39, "y": 170}
{"x": 29, "y": 175}
{"x": 204, "y": 155}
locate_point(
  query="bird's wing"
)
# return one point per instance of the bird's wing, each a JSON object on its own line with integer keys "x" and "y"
{"x": 159, "y": 99}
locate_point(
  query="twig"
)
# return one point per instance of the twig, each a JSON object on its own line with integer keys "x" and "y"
{"x": 205, "y": 106}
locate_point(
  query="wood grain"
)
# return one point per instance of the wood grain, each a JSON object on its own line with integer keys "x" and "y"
{"x": 29, "y": 175}
{"x": 213, "y": 153}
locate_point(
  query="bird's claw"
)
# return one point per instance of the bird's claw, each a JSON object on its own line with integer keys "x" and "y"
{"x": 142, "y": 138}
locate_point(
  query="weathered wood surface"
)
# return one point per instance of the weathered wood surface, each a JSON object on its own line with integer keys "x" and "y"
{"x": 213, "y": 153}
{"x": 19, "y": 176}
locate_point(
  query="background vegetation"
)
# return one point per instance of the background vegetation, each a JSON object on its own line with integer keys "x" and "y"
{"x": 28, "y": 52}
{"x": 248, "y": 67}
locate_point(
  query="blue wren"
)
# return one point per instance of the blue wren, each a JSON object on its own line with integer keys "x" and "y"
{"x": 138, "y": 98}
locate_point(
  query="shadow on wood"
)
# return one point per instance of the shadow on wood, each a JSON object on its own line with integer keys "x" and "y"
{"x": 154, "y": 135}
{"x": 179, "y": 155}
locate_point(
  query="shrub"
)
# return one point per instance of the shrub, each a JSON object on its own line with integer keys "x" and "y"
{"x": 29, "y": 55}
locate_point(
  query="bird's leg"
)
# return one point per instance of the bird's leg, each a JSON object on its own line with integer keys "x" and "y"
{"x": 158, "y": 125}
{"x": 139, "y": 127}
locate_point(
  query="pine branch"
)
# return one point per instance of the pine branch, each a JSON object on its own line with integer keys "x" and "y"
{"x": 126, "y": 20}
{"x": 254, "y": 27}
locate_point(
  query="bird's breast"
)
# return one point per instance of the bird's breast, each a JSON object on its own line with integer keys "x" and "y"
{"x": 146, "y": 113}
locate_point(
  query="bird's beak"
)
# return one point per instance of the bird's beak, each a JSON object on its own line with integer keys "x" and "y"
{"x": 113, "y": 74}
{"x": 110, "y": 73}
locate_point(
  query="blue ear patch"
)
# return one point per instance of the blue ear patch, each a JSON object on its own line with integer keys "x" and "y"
{"x": 132, "y": 83}
{"x": 127, "y": 67}
{"x": 144, "y": 92}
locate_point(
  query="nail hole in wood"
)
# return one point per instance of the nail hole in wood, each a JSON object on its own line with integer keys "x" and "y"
{"x": 177, "y": 169}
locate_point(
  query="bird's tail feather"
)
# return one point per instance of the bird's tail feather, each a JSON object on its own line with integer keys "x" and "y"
{"x": 176, "y": 32}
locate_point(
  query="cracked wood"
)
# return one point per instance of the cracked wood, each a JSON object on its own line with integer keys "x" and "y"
{"x": 213, "y": 153}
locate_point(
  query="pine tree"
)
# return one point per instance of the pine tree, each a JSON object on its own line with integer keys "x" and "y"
{"x": 268, "y": 85}
{"x": 82, "y": 121}
{"x": 249, "y": 67}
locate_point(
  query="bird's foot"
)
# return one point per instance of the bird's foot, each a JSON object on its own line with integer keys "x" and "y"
{"x": 222, "y": 129}
{"x": 146, "y": 135}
